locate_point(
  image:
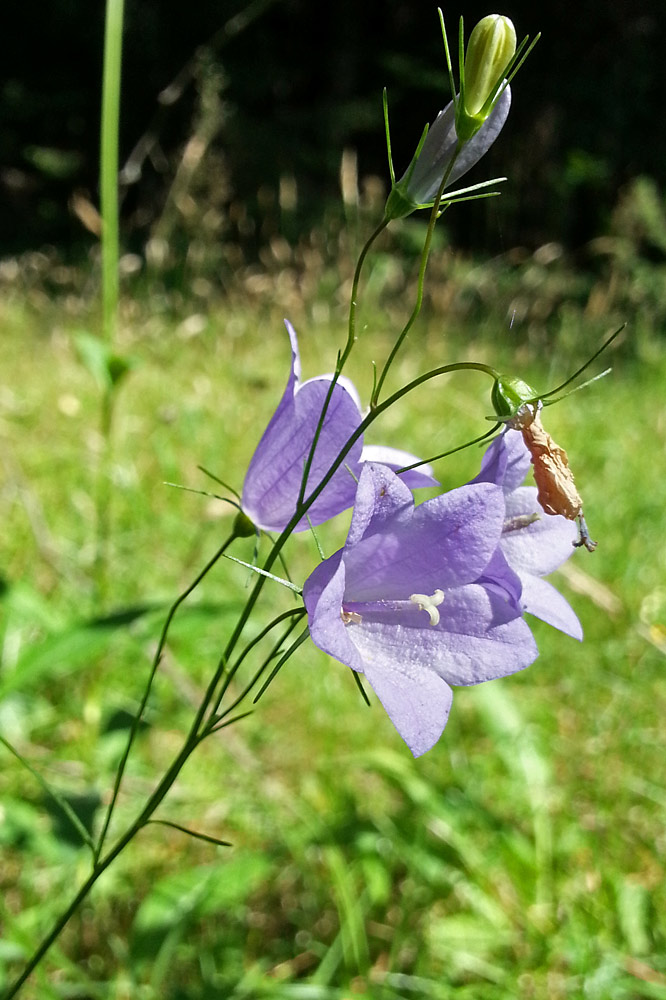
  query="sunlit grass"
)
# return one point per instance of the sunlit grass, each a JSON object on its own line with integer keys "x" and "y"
{"x": 522, "y": 857}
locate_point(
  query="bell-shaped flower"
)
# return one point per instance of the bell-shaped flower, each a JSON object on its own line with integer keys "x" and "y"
{"x": 533, "y": 542}
{"x": 420, "y": 599}
{"x": 274, "y": 476}
{"x": 421, "y": 181}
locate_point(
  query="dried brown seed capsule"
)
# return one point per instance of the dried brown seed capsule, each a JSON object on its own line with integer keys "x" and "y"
{"x": 556, "y": 487}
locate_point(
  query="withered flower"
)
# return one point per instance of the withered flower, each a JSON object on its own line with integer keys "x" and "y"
{"x": 556, "y": 486}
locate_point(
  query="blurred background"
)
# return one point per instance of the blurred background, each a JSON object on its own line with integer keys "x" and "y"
{"x": 524, "y": 855}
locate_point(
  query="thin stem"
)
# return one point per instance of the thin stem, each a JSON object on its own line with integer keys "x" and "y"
{"x": 250, "y": 646}
{"x": 342, "y": 357}
{"x": 451, "y": 451}
{"x": 103, "y": 495}
{"x": 425, "y": 254}
{"x": 351, "y": 335}
{"x": 153, "y": 670}
{"x": 113, "y": 35}
{"x": 108, "y": 182}
{"x": 215, "y": 719}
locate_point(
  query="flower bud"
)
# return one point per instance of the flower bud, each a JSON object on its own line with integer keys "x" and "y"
{"x": 508, "y": 395}
{"x": 491, "y": 47}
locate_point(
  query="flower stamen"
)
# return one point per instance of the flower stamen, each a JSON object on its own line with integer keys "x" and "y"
{"x": 350, "y": 616}
{"x": 519, "y": 521}
{"x": 429, "y": 604}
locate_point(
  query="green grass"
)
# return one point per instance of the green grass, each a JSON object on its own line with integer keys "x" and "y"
{"x": 522, "y": 858}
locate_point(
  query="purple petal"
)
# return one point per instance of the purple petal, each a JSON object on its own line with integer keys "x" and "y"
{"x": 323, "y": 594}
{"x": 440, "y": 145}
{"x": 499, "y": 577}
{"x": 448, "y": 541}
{"x": 381, "y": 497}
{"x": 506, "y": 461}
{"x": 417, "y": 703}
{"x": 540, "y": 547}
{"x": 479, "y": 637}
{"x": 396, "y": 459}
{"x": 273, "y": 479}
{"x": 542, "y": 600}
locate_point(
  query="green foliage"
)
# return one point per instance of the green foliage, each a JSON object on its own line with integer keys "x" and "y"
{"x": 522, "y": 858}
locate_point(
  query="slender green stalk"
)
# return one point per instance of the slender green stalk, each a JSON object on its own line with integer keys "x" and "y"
{"x": 425, "y": 255}
{"x": 144, "y": 700}
{"x": 342, "y": 357}
{"x": 151, "y": 805}
{"x": 293, "y": 612}
{"x": 108, "y": 182}
{"x": 353, "y": 299}
{"x": 113, "y": 41}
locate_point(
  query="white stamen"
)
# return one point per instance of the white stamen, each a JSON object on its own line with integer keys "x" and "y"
{"x": 350, "y": 616}
{"x": 519, "y": 521}
{"x": 429, "y": 604}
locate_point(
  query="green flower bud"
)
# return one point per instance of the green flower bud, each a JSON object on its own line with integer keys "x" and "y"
{"x": 508, "y": 395}
{"x": 491, "y": 47}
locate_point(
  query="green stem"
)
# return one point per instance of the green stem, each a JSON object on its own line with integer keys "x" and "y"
{"x": 113, "y": 39}
{"x": 425, "y": 254}
{"x": 342, "y": 357}
{"x": 196, "y": 734}
{"x": 351, "y": 335}
{"x": 293, "y": 612}
{"x": 153, "y": 670}
{"x": 108, "y": 182}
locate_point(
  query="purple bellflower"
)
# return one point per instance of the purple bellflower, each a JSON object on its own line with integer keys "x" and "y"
{"x": 273, "y": 479}
{"x": 420, "y": 599}
{"x": 534, "y": 543}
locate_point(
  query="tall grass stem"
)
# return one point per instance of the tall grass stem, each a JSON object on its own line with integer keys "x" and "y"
{"x": 108, "y": 182}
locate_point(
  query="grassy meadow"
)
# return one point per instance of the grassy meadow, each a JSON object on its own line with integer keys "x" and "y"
{"x": 523, "y": 857}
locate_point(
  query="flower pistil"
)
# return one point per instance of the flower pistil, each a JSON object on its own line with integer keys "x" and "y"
{"x": 429, "y": 604}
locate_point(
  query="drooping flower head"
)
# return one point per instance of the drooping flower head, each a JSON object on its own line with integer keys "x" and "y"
{"x": 420, "y": 599}
{"x": 273, "y": 480}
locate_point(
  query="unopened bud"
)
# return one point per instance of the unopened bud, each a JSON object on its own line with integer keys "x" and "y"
{"x": 508, "y": 395}
{"x": 491, "y": 47}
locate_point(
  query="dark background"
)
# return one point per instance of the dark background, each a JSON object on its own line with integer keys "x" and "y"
{"x": 280, "y": 87}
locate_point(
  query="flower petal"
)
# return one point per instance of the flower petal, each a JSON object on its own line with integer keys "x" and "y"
{"x": 396, "y": 459}
{"x": 273, "y": 479}
{"x": 479, "y": 637}
{"x": 381, "y": 498}
{"x": 506, "y": 461}
{"x": 323, "y": 595}
{"x": 447, "y": 541}
{"x": 440, "y": 145}
{"x": 542, "y": 600}
{"x": 417, "y": 703}
{"x": 542, "y": 546}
